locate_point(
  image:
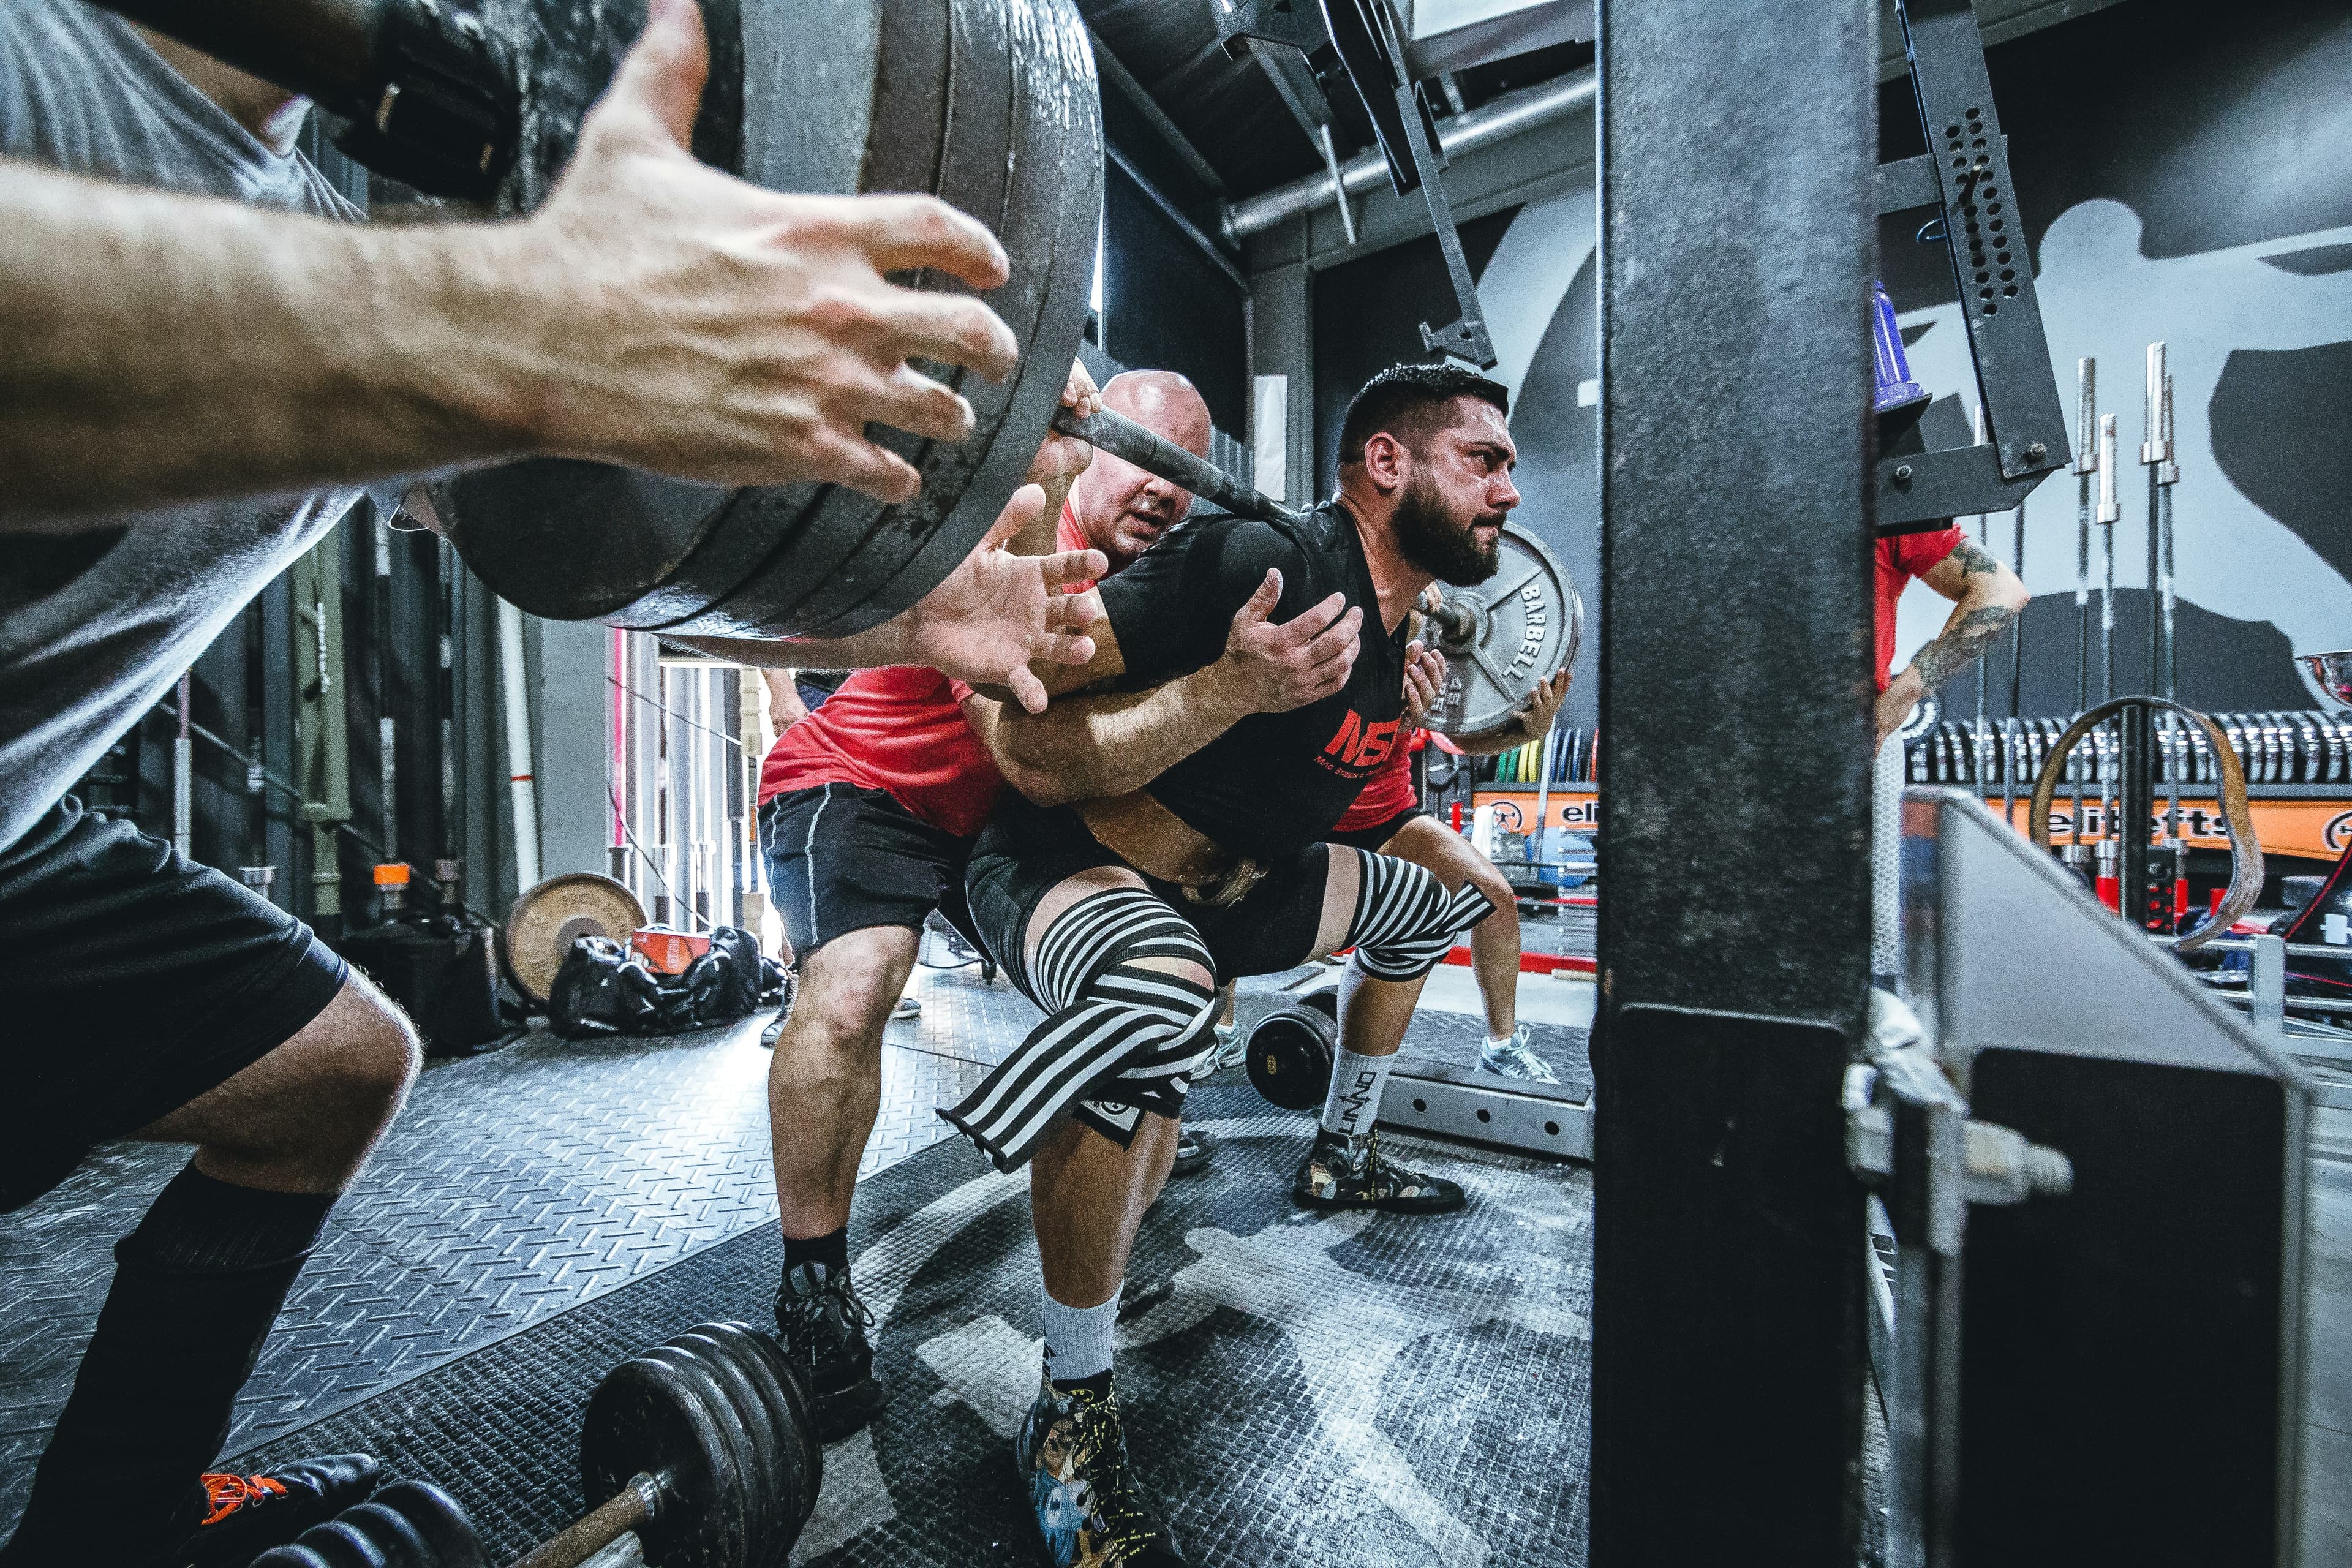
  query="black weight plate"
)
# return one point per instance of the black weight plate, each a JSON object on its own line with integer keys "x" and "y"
{"x": 781, "y": 1386}
{"x": 572, "y": 541}
{"x": 343, "y": 1545}
{"x": 851, "y": 545}
{"x": 775, "y": 1482}
{"x": 796, "y": 1393}
{"x": 1053, "y": 212}
{"x": 1324, "y": 999}
{"x": 741, "y": 1512}
{"x": 1290, "y": 1057}
{"x": 438, "y": 1518}
{"x": 645, "y": 1417}
{"x": 289, "y": 1556}
{"x": 402, "y": 1544}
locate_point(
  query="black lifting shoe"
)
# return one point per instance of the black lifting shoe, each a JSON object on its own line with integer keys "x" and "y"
{"x": 1352, "y": 1174}
{"x": 822, "y": 1326}
{"x": 247, "y": 1515}
{"x": 1072, "y": 1455}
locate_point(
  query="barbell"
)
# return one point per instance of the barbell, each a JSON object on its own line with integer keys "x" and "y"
{"x": 704, "y": 1448}
{"x": 993, "y": 106}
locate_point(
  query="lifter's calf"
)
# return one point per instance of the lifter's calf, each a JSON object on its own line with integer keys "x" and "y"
{"x": 1087, "y": 1198}
{"x": 825, "y": 1085}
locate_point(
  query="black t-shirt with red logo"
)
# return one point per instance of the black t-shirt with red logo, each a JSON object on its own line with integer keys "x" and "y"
{"x": 1275, "y": 783}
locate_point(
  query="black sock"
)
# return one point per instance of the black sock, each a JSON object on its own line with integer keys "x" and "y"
{"x": 196, "y": 1288}
{"x": 1099, "y": 1384}
{"x": 832, "y": 1249}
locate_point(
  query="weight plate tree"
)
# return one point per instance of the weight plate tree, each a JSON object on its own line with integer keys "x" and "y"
{"x": 989, "y": 104}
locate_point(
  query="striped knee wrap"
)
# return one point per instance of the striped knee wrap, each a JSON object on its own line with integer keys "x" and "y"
{"x": 1118, "y": 1040}
{"x": 1405, "y": 920}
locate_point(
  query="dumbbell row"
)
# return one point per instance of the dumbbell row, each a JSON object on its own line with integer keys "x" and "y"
{"x": 2272, "y": 748}
{"x": 704, "y": 1448}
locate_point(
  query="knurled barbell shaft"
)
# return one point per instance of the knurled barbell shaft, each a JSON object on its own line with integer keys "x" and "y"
{"x": 627, "y": 1509}
{"x": 1123, "y": 437}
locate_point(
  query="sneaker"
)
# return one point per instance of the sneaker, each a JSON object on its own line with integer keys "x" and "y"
{"x": 1192, "y": 1151}
{"x": 784, "y": 1011}
{"x": 822, "y": 1324}
{"x": 1352, "y": 1174}
{"x": 1072, "y": 1456}
{"x": 908, "y": 1007}
{"x": 1514, "y": 1058}
{"x": 251, "y": 1514}
{"x": 1232, "y": 1049}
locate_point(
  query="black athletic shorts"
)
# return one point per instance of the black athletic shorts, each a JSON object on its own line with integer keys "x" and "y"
{"x": 1026, "y": 850}
{"x": 841, "y": 859}
{"x": 1369, "y": 839}
{"x": 134, "y": 981}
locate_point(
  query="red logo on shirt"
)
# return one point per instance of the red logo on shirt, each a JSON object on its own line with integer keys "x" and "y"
{"x": 1361, "y": 745}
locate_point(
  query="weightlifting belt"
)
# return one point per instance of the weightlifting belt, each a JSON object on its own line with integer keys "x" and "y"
{"x": 1164, "y": 847}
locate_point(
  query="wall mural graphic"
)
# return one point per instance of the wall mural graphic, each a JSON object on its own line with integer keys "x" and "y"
{"x": 2102, "y": 298}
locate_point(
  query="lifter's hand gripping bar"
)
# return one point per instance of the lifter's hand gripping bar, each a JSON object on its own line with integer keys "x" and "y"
{"x": 1123, "y": 437}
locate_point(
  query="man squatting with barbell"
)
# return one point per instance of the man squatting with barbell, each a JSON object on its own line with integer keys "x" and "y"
{"x": 1119, "y": 917}
{"x": 165, "y": 346}
{"x": 867, "y": 812}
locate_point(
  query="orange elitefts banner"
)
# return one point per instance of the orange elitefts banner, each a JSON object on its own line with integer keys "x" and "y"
{"x": 2314, "y": 829}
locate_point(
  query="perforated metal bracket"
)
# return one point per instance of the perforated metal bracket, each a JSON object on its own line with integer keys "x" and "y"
{"x": 1966, "y": 171}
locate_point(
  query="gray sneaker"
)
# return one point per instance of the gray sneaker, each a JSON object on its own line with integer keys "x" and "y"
{"x": 1231, "y": 1048}
{"x": 1515, "y": 1058}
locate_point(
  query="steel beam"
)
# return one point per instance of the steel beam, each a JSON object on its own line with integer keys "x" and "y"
{"x": 1728, "y": 1333}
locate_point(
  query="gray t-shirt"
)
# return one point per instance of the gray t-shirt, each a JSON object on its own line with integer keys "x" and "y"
{"x": 94, "y": 626}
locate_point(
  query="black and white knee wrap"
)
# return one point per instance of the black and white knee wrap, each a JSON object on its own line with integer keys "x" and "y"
{"x": 1405, "y": 920}
{"x": 1118, "y": 1038}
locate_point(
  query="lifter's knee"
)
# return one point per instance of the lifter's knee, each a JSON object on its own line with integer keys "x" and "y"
{"x": 1405, "y": 920}
{"x": 304, "y": 1116}
{"x": 363, "y": 1063}
{"x": 847, "y": 989}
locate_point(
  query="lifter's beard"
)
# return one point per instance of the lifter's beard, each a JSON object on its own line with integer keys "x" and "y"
{"x": 1431, "y": 540}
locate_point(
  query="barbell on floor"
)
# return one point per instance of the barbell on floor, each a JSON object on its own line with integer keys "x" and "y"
{"x": 1289, "y": 1052}
{"x": 703, "y": 1448}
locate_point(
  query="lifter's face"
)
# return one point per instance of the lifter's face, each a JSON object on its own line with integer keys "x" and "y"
{"x": 1457, "y": 491}
{"x": 1122, "y": 511}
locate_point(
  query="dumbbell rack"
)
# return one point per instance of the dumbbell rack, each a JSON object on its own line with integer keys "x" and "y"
{"x": 2298, "y": 769}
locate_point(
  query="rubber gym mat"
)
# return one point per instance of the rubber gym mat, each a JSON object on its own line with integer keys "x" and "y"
{"x": 1303, "y": 1389}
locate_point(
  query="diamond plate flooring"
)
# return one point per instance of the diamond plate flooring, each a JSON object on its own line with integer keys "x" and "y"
{"x": 1303, "y": 1391}
{"x": 515, "y": 1186}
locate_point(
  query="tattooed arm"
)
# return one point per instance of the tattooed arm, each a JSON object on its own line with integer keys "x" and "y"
{"x": 1986, "y": 597}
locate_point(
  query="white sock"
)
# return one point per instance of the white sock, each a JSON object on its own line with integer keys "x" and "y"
{"x": 1496, "y": 1042}
{"x": 1079, "y": 1339}
{"x": 1355, "y": 1097}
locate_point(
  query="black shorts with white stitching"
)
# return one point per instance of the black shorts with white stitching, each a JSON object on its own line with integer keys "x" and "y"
{"x": 841, "y": 858}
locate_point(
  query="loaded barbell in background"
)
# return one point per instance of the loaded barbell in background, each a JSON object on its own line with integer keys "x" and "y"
{"x": 703, "y": 1448}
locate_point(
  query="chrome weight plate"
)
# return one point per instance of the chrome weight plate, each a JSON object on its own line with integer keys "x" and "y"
{"x": 1505, "y": 636}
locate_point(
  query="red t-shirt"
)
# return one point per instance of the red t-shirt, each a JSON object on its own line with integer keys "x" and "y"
{"x": 901, "y": 730}
{"x": 1899, "y": 558}
{"x": 1388, "y": 794}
